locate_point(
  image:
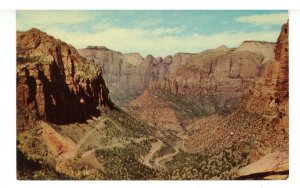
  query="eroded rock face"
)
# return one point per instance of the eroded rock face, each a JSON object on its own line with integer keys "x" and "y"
{"x": 54, "y": 82}
{"x": 266, "y": 49}
{"x": 214, "y": 80}
{"x": 269, "y": 93}
{"x": 276, "y": 163}
{"x": 128, "y": 75}
{"x": 221, "y": 72}
{"x": 282, "y": 85}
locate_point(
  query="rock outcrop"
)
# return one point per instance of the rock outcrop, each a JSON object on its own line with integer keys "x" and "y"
{"x": 282, "y": 83}
{"x": 268, "y": 95}
{"x": 274, "y": 166}
{"x": 54, "y": 82}
{"x": 128, "y": 75}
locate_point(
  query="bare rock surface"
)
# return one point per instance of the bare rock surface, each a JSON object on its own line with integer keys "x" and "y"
{"x": 54, "y": 82}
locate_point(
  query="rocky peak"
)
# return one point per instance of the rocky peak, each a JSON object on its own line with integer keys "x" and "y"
{"x": 264, "y": 48}
{"x": 282, "y": 48}
{"x": 222, "y": 48}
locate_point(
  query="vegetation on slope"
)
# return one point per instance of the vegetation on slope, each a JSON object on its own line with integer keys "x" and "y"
{"x": 203, "y": 166}
{"x": 123, "y": 163}
{"x": 188, "y": 108}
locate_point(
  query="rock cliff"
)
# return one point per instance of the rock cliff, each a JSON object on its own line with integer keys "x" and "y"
{"x": 128, "y": 75}
{"x": 54, "y": 82}
{"x": 213, "y": 81}
{"x": 268, "y": 95}
{"x": 222, "y": 73}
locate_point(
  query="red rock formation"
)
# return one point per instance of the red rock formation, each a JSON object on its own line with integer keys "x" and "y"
{"x": 52, "y": 78}
{"x": 222, "y": 72}
{"x": 269, "y": 93}
{"x": 268, "y": 97}
{"x": 282, "y": 85}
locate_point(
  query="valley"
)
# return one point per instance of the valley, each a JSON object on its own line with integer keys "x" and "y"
{"x": 98, "y": 114}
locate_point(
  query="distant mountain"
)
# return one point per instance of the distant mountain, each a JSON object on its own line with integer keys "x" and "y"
{"x": 128, "y": 75}
{"x": 216, "y": 78}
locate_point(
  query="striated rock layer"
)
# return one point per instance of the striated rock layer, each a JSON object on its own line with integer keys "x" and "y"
{"x": 54, "y": 82}
{"x": 128, "y": 75}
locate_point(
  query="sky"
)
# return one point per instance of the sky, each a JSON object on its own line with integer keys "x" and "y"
{"x": 160, "y": 33}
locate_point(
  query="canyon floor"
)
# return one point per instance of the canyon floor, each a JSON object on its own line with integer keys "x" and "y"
{"x": 119, "y": 146}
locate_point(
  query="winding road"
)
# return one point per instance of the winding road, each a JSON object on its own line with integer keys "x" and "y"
{"x": 155, "y": 147}
{"x": 166, "y": 156}
{"x": 73, "y": 153}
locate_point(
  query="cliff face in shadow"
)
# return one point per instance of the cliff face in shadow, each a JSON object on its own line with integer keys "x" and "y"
{"x": 54, "y": 82}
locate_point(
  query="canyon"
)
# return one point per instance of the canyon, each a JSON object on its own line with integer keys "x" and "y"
{"x": 96, "y": 113}
{"x": 215, "y": 80}
{"x": 128, "y": 75}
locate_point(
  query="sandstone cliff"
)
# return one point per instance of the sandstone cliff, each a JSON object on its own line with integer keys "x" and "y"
{"x": 213, "y": 81}
{"x": 128, "y": 75}
{"x": 222, "y": 73}
{"x": 268, "y": 95}
{"x": 54, "y": 82}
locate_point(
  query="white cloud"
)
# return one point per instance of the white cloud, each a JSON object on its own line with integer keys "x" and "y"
{"x": 148, "y": 22}
{"x": 164, "y": 31}
{"x": 40, "y": 18}
{"x": 158, "y": 42}
{"x": 264, "y": 19}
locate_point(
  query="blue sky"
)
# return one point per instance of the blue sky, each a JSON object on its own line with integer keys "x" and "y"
{"x": 156, "y": 32}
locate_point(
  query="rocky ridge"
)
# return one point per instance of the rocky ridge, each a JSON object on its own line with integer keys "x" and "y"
{"x": 128, "y": 75}
{"x": 214, "y": 79}
{"x": 218, "y": 70}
